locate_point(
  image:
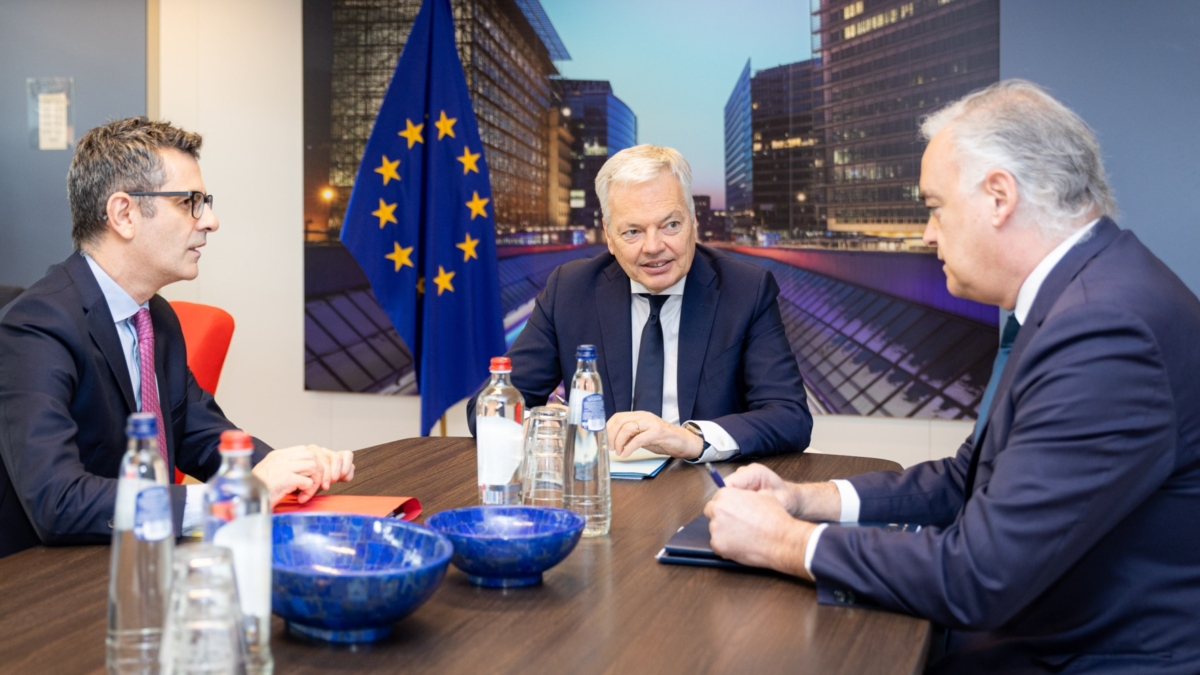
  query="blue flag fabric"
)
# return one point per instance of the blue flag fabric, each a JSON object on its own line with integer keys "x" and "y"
{"x": 421, "y": 223}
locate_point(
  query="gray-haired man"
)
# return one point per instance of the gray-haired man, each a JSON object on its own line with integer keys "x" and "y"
{"x": 1054, "y": 541}
{"x": 692, "y": 349}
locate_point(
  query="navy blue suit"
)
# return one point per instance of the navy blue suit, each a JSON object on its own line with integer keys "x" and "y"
{"x": 65, "y": 393}
{"x": 736, "y": 367}
{"x": 1078, "y": 550}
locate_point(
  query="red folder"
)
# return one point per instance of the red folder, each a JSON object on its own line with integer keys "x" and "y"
{"x": 404, "y": 508}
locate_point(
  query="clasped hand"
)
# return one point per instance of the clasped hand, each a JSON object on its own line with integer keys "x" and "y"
{"x": 628, "y": 431}
{"x": 755, "y": 519}
{"x": 305, "y": 469}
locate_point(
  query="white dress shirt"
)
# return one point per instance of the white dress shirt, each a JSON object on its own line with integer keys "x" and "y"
{"x": 851, "y": 504}
{"x": 722, "y": 445}
{"x": 123, "y": 308}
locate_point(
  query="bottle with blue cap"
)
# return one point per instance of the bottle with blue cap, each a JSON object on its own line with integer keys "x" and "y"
{"x": 586, "y": 488}
{"x": 142, "y": 542}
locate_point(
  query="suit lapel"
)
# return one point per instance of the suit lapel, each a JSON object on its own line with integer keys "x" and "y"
{"x": 696, "y": 317}
{"x": 1056, "y": 282}
{"x": 616, "y": 328}
{"x": 100, "y": 325}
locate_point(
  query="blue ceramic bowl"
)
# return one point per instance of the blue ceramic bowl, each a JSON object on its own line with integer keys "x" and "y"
{"x": 507, "y": 546}
{"x": 346, "y": 578}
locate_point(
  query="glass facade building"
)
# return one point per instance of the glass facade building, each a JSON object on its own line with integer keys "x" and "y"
{"x": 601, "y": 125}
{"x": 739, "y": 180}
{"x": 351, "y": 50}
{"x": 784, "y": 150}
{"x": 882, "y": 66}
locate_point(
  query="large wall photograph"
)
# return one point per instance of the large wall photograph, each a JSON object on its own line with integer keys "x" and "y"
{"x": 801, "y": 125}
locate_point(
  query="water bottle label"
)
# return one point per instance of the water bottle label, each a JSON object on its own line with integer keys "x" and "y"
{"x": 592, "y": 413}
{"x": 152, "y": 514}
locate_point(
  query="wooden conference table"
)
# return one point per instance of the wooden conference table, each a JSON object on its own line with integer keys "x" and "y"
{"x": 609, "y": 607}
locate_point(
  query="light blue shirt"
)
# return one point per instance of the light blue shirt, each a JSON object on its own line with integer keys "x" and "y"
{"x": 123, "y": 308}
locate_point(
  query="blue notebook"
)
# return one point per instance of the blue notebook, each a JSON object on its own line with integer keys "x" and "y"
{"x": 691, "y": 544}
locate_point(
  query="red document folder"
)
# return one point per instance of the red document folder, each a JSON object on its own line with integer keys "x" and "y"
{"x": 404, "y": 508}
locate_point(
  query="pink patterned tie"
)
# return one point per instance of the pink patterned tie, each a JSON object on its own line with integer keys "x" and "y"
{"x": 145, "y": 337}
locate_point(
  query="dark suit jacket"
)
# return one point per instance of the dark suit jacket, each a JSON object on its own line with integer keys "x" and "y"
{"x": 65, "y": 394}
{"x": 736, "y": 367}
{"x": 1078, "y": 550}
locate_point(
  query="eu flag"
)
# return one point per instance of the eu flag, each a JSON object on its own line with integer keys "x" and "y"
{"x": 420, "y": 220}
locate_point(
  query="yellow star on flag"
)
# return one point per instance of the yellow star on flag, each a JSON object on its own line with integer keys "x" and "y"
{"x": 445, "y": 126}
{"x": 476, "y": 205}
{"x": 443, "y": 280}
{"x": 386, "y": 213}
{"x": 421, "y": 285}
{"x": 388, "y": 170}
{"x": 413, "y": 133}
{"x": 400, "y": 256}
{"x": 468, "y": 248}
{"x": 468, "y": 161}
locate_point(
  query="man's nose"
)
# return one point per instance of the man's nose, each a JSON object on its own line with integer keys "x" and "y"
{"x": 930, "y": 234}
{"x": 654, "y": 241}
{"x": 208, "y": 221}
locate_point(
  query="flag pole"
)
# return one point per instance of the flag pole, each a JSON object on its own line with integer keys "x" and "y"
{"x": 442, "y": 425}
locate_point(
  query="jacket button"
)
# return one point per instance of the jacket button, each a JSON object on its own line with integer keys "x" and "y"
{"x": 839, "y": 596}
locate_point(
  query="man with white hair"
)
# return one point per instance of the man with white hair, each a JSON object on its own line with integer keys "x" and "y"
{"x": 691, "y": 347}
{"x": 1056, "y": 539}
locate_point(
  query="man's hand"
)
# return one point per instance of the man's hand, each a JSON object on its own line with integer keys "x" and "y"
{"x": 754, "y": 529}
{"x": 303, "y": 468}
{"x": 811, "y": 501}
{"x": 629, "y": 431}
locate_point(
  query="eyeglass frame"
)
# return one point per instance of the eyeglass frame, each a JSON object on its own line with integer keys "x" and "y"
{"x": 190, "y": 194}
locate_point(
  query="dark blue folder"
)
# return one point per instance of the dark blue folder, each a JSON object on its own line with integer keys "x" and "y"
{"x": 691, "y": 544}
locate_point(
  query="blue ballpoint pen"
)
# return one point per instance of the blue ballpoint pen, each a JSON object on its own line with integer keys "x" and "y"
{"x": 715, "y": 476}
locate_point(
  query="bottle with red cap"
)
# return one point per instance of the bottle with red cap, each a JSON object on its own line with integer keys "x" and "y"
{"x": 237, "y": 515}
{"x": 499, "y": 413}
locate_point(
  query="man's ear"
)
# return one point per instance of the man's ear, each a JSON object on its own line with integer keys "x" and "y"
{"x": 123, "y": 215}
{"x": 607, "y": 239}
{"x": 1001, "y": 189}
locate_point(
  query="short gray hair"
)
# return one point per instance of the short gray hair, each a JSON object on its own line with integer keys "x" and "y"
{"x": 642, "y": 164}
{"x": 1014, "y": 125}
{"x": 123, "y": 155}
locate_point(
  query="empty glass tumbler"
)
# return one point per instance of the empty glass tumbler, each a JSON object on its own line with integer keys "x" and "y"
{"x": 203, "y": 635}
{"x": 545, "y": 446}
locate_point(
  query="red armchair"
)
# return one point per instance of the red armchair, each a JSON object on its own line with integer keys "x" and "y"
{"x": 207, "y": 331}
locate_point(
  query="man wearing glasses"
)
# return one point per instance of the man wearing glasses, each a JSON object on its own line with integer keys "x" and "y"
{"x": 92, "y": 342}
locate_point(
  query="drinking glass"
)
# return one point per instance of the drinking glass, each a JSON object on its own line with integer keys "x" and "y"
{"x": 201, "y": 635}
{"x": 545, "y": 446}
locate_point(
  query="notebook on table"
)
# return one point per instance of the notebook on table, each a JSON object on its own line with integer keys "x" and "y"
{"x": 691, "y": 544}
{"x": 404, "y": 508}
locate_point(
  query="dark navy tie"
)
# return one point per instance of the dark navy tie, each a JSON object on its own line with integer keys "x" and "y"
{"x": 1007, "y": 338}
{"x": 648, "y": 390}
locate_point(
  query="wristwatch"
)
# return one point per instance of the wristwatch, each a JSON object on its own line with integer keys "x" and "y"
{"x": 709, "y": 452}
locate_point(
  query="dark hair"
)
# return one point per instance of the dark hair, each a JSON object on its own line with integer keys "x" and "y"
{"x": 121, "y": 155}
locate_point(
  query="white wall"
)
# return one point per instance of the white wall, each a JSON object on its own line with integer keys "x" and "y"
{"x": 231, "y": 70}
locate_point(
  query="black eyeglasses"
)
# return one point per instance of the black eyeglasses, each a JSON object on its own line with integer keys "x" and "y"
{"x": 196, "y": 198}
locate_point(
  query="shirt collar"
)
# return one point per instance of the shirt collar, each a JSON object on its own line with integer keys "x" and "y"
{"x": 674, "y": 289}
{"x": 1033, "y": 283}
{"x": 121, "y": 304}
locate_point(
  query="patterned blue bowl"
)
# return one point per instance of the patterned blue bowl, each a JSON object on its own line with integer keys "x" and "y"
{"x": 347, "y": 578}
{"x": 508, "y": 546}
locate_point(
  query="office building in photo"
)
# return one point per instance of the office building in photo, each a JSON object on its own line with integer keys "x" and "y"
{"x": 772, "y": 154}
{"x": 601, "y": 125}
{"x": 881, "y": 66}
{"x": 739, "y": 179}
{"x": 351, "y": 47}
{"x": 785, "y": 151}
{"x": 508, "y": 49}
